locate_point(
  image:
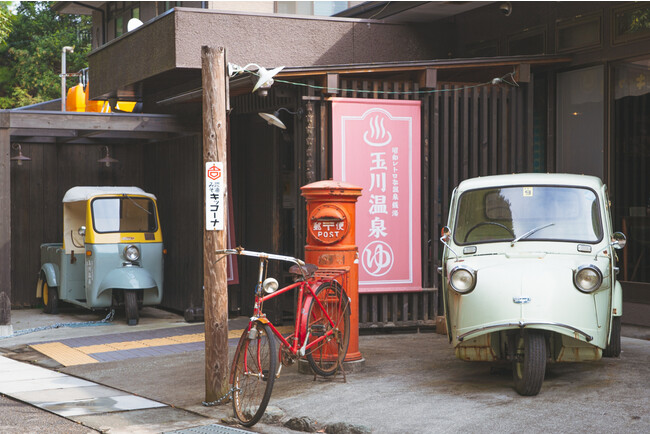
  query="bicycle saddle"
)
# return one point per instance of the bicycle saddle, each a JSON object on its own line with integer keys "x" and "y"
{"x": 307, "y": 269}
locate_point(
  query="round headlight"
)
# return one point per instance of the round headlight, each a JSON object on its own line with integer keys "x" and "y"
{"x": 588, "y": 278}
{"x": 131, "y": 253}
{"x": 270, "y": 285}
{"x": 462, "y": 279}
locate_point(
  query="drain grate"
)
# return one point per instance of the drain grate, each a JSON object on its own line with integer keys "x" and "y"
{"x": 211, "y": 429}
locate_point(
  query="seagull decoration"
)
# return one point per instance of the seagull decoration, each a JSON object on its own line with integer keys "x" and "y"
{"x": 265, "y": 76}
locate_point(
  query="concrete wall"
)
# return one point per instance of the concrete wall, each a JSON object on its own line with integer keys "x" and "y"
{"x": 174, "y": 41}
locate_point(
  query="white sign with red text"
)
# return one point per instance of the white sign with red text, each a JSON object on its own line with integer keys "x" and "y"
{"x": 376, "y": 146}
{"x": 214, "y": 205}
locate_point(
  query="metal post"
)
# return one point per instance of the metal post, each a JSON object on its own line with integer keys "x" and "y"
{"x": 64, "y": 50}
{"x": 5, "y": 226}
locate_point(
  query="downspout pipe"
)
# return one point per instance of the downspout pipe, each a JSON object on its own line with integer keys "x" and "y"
{"x": 64, "y": 50}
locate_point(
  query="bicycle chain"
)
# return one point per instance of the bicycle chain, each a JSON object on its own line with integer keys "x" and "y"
{"x": 218, "y": 401}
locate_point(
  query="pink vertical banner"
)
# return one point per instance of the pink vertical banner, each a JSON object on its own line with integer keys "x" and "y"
{"x": 376, "y": 145}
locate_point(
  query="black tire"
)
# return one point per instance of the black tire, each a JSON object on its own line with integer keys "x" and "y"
{"x": 253, "y": 372}
{"x": 50, "y": 298}
{"x": 529, "y": 364}
{"x": 326, "y": 357}
{"x": 131, "y": 307}
{"x": 613, "y": 349}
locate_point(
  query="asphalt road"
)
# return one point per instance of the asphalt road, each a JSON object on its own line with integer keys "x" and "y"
{"x": 411, "y": 383}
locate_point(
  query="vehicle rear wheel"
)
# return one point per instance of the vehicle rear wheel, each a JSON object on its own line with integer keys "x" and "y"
{"x": 529, "y": 363}
{"x": 614, "y": 347}
{"x": 131, "y": 307}
{"x": 327, "y": 356}
{"x": 50, "y": 298}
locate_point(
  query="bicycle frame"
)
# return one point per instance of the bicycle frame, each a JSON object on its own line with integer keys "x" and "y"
{"x": 299, "y": 346}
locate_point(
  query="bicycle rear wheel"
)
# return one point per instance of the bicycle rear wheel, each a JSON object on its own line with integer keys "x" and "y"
{"x": 326, "y": 357}
{"x": 254, "y": 368}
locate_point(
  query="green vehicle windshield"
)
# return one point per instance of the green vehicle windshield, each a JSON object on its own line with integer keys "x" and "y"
{"x": 124, "y": 214}
{"x": 528, "y": 213}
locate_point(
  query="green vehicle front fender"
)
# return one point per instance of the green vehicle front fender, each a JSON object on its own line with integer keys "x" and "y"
{"x": 127, "y": 278}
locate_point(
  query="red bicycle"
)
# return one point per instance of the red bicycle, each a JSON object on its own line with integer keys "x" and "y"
{"x": 321, "y": 333}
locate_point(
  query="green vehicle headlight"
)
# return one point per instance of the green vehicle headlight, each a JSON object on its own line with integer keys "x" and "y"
{"x": 587, "y": 278}
{"x": 131, "y": 253}
{"x": 462, "y": 279}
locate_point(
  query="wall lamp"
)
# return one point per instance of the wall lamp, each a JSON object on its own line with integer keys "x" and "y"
{"x": 20, "y": 158}
{"x": 107, "y": 159}
{"x": 274, "y": 119}
{"x": 265, "y": 80}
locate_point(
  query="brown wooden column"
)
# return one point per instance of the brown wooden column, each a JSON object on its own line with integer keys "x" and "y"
{"x": 213, "y": 61}
{"x": 5, "y": 225}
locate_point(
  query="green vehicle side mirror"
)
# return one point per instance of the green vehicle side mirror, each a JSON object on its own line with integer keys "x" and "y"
{"x": 618, "y": 240}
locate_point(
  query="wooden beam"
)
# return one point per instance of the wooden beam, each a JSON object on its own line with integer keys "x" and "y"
{"x": 5, "y": 232}
{"x": 213, "y": 64}
{"x": 429, "y": 78}
{"x": 522, "y": 73}
{"x": 331, "y": 84}
{"x": 41, "y": 120}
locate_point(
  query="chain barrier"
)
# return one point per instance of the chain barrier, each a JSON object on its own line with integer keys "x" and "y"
{"x": 220, "y": 400}
{"x": 105, "y": 321}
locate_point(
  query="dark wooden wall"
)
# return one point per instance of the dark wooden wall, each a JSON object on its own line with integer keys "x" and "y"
{"x": 37, "y": 188}
{"x": 474, "y": 132}
{"x": 173, "y": 171}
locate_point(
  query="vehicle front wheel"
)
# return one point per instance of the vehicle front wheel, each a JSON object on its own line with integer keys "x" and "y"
{"x": 614, "y": 347}
{"x": 131, "y": 307}
{"x": 529, "y": 363}
{"x": 50, "y": 298}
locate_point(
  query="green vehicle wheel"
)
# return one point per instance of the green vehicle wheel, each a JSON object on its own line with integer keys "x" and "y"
{"x": 50, "y": 297}
{"x": 131, "y": 307}
{"x": 529, "y": 363}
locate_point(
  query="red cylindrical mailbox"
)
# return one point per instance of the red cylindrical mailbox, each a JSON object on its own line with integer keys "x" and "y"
{"x": 331, "y": 243}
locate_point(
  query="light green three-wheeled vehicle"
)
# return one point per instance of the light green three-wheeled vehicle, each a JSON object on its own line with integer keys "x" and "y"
{"x": 529, "y": 273}
{"x": 111, "y": 255}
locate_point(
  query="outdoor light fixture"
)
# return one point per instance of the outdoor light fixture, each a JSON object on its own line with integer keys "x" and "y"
{"x": 133, "y": 24}
{"x": 265, "y": 80}
{"x": 20, "y": 157}
{"x": 107, "y": 160}
{"x": 274, "y": 119}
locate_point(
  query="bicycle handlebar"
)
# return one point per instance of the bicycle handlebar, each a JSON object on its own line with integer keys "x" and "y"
{"x": 242, "y": 251}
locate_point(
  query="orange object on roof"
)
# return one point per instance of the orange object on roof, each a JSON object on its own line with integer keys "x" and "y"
{"x": 96, "y": 106}
{"x": 76, "y": 99}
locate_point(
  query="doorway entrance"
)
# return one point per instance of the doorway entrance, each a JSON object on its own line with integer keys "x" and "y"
{"x": 632, "y": 177}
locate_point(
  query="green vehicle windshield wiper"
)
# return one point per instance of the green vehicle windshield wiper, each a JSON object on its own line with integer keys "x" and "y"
{"x": 530, "y": 232}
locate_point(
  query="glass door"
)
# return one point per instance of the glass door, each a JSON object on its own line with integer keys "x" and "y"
{"x": 631, "y": 155}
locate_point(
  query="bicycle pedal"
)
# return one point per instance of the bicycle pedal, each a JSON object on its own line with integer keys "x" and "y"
{"x": 317, "y": 330}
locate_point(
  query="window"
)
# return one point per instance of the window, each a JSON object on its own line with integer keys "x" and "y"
{"x": 119, "y": 14}
{"x": 580, "y": 120}
{"x": 578, "y": 33}
{"x": 631, "y": 22}
{"x": 124, "y": 214}
{"x": 531, "y": 213}
{"x": 529, "y": 42}
{"x": 319, "y": 8}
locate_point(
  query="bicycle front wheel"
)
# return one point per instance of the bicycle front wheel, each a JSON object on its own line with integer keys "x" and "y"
{"x": 330, "y": 319}
{"x": 254, "y": 368}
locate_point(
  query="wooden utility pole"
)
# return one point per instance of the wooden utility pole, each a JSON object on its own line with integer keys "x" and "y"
{"x": 213, "y": 64}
